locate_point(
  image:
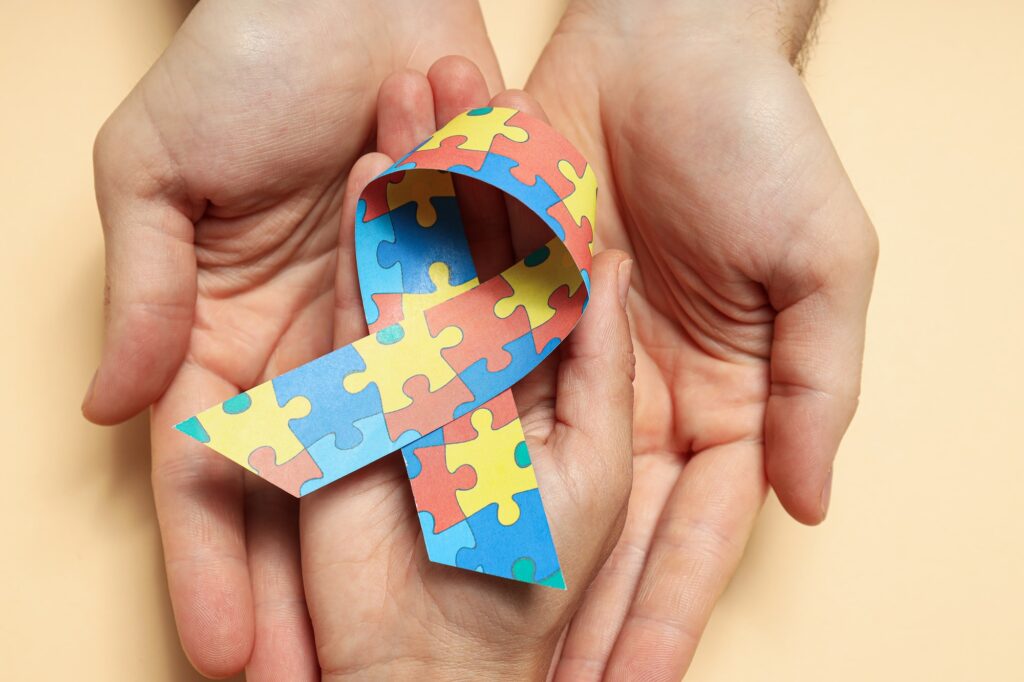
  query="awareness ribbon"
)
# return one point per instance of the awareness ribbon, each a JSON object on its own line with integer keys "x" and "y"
{"x": 434, "y": 376}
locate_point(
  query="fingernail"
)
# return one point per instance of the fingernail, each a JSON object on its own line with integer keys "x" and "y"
{"x": 625, "y": 270}
{"x": 826, "y": 493}
{"x": 89, "y": 391}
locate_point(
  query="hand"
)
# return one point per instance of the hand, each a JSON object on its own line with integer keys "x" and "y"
{"x": 380, "y": 609}
{"x": 754, "y": 262}
{"x": 219, "y": 181}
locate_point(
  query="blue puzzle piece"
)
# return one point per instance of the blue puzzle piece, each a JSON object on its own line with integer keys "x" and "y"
{"x": 334, "y": 410}
{"x": 416, "y": 248}
{"x": 375, "y": 278}
{"x": 499, "y": 547}
{"x": 413, "y": 466}
{"x": 336, "y": 463}
{"x": 539, "y": 197}
{"x": 443, "y": 547}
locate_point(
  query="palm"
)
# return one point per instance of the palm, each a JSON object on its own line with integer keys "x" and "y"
{"x": 711, "y": 158}
{"x": 265, "y": 159}
{"x": 383, "y": 581}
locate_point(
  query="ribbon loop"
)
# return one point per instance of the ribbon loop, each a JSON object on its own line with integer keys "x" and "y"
{"x": 434, "y": 376}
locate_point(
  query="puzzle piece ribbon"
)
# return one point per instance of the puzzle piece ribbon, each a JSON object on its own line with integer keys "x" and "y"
{"x": 433, "y": 376}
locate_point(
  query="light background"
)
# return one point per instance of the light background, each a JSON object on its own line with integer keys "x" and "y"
{"x": 917, "y": 573}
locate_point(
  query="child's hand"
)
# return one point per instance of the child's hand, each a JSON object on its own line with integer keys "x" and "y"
{"x": 379, "y": 608}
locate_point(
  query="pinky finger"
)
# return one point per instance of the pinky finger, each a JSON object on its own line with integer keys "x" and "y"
{"x": 696, "y": 547}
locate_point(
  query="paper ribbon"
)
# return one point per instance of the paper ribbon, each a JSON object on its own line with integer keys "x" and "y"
{"x": 433, "y": 376}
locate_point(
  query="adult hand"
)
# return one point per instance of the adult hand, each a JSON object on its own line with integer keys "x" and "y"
{"x": 754, "y": 263}
{"x": 219, "y": 181}
{"x": 380, "y": 609}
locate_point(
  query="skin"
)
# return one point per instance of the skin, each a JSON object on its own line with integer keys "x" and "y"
{"x": 754, "y": 263}
{"x": 221, "y": 180}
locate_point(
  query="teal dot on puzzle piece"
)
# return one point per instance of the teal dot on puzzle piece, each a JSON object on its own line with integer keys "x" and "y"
{"x": 499, "y": 547}
{"x": 240, "y": 403}
{"x": 192, "y": 427}
{"x": 537, "y": 257}
{"x": 482, "y": 111}
{"x": 524, "y": 570}
{"x": 390, "y": 335}
{"x": 522, "y": 455}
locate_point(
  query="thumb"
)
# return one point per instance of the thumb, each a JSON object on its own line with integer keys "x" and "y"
{"x": 150, "y": 269}
{"x": 596, "y": 370}
{"x": 818, "y": 342}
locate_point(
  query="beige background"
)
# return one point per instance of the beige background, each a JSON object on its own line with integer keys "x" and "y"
{"x": 917, "y": 573}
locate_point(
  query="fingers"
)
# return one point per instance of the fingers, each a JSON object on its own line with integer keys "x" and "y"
{"x": 283, "y": 648}
{"x": 405, "y": 113}
{"x": 817, "y": 348}
{"x": 593, "y": 418}
{"x": 597, "y": 364}
{"x": 458, "y": 85}
{"x": 151, "y": 270}
{"x": 594, "y": 628}
{"x": 199, "y": 503}
{"x": 695, "y": 549}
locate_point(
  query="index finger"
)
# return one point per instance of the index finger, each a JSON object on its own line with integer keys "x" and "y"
{"x": 200, "y": 507}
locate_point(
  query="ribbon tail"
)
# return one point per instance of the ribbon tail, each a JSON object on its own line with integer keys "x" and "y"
{"x": 478, "y": 500}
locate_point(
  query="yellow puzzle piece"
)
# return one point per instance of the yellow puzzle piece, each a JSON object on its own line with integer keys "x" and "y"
{"x": 583, "y": 200}
{"x": 397, "y": 353}
{"x": 420, "y": 187}
{"x": 479, "y": 130}
{"x": 253, "y": 420}
{"x": 498, "y": 476}
{"x": 533, "y": 284}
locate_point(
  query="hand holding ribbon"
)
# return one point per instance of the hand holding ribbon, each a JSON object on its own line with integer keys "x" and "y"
{"x": 433, "y": 377}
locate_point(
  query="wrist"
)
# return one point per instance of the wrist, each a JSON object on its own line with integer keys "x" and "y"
{"x": 781, "y": 26}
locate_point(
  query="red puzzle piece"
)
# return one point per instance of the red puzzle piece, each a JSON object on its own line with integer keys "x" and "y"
{"x": 426, "y": 404}
{"x": 289, "y": 476}
{"x": 503, "y": 411}
{"x": 434, "y": 488}
{"x": 390, "y": 307}
{"x": 539, "y": 156}
{"x": 447, "y": 155}
{"x": 568, "y": 310}
{"x": 483, "y": 333}
{"x": 376, "y": 197}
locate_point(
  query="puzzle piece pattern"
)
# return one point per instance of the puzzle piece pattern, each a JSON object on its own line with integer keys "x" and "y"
{"x": 420, "y": 189}
{"x": 433, "y": 376}
{"x": 251, "y": 420}
{"x": 499, "y": 548}
{"x": 492, "y": 455}
{"x": 291, "y": 475}
{"x": 436, "y": 489}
